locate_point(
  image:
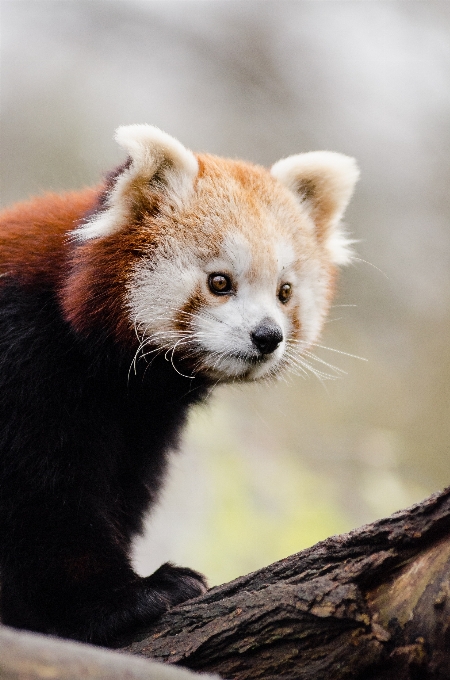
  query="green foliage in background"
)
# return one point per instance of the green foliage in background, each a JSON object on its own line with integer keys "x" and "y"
{"x": 265, "y": 506}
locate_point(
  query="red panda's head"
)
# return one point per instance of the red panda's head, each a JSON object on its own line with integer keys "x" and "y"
{"x": 224, "y": 266}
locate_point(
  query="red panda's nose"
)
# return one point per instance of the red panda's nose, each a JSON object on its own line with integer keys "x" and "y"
{"x": 267, "y": 336}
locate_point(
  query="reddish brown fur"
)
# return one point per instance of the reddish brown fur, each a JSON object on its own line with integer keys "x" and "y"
{"x": 32, "y": 235}
{"x": 195, "y": 302}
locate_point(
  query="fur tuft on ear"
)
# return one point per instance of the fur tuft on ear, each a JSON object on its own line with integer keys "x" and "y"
{"x": 153, "y": 150}
{"x": 157, "y": 160}
{"x": 324, "y": 182}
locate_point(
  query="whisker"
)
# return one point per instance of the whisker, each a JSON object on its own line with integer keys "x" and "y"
{"x": 335, "y": 306}
{"x": 306, "y": 365}
{"x": 339, "y": 351}
{"x": 319, "y": 374}
{"x": 173, "y": 365}
{"x": 324, "y": 363}
{"x": 359, "y": 259}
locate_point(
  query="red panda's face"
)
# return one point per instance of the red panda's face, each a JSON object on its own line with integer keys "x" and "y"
{"x": 236, "y": 294}
{"x": 236, "y": 265}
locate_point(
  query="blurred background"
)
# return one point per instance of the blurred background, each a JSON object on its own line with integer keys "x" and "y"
{"x": 265, "y": 471}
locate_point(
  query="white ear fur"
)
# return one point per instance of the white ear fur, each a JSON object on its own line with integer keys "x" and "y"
{"x": 324, "y": 182}
{"x": 154, "y": 154}
{"x": 150, "y": 147}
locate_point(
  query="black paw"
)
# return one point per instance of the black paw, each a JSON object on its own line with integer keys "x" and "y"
{"x": 176, "y": 584}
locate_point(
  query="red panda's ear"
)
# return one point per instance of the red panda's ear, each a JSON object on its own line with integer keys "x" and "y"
{"x": 156, "y": 159}
{"x": 154, "y": 152}
{"x": 324, "y": 182}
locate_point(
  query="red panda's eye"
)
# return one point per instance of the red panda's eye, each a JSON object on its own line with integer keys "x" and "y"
{"x": 285, "y": 292}
{"x": 219, "y": 284}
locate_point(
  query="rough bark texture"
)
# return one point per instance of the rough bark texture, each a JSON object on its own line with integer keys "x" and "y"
{"x": 371, "y": 605}
{"x": 374, "y": 603}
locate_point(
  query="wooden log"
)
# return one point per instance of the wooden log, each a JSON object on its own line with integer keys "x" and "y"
{"x": 374, "y": 603}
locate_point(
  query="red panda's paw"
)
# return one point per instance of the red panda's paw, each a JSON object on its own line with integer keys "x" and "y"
{"x": 177, "y": 584}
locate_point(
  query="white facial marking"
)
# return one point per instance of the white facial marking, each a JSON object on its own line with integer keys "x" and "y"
{"x": 158, "y": 290}
{"x": 286, "y": 257}
{"x": 253, "y": 300}
{"x": 215, "y": 334}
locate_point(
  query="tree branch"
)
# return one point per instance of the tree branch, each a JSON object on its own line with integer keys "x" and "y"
{"x": 372, "y": 603}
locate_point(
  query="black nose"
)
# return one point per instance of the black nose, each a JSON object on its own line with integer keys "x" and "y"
{"x": 266, "y": 337}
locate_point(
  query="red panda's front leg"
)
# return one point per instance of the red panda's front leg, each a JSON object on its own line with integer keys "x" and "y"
{"x": 57, "y": 582}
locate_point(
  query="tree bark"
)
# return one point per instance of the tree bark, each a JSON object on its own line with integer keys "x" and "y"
{"x": 374, "y": 603}
{"x": 370, "y": 605}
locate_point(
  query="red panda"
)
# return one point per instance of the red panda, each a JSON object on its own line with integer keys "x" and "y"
{"x": 121, "y": 306}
